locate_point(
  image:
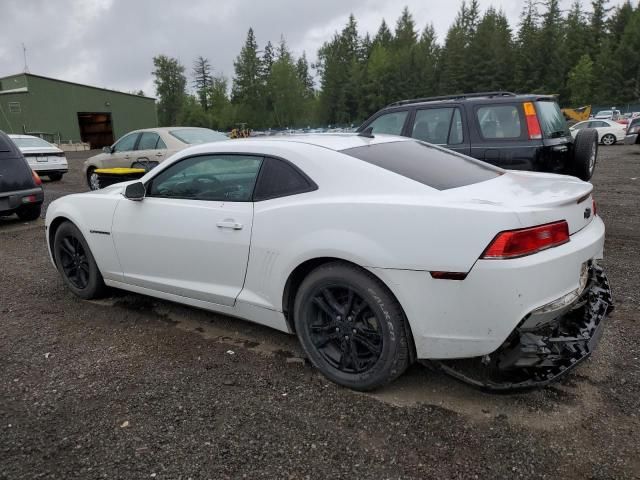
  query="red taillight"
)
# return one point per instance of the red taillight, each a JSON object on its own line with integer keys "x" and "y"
{"x": 36, "y": 178}
{"x": 525, "y": 241}
{"x": 29, "y": 199}
{"x": 533, "y": 125}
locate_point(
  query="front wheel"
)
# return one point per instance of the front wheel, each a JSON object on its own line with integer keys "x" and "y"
{"x": 608, "y": 139}
{"x": 351, "y": 327}
{"x": 75, "y": 262}
{"x": 93, "y": 179}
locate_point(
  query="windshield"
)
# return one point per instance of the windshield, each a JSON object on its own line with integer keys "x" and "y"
{"x": 551, "y": 119}
{"x": 604, "y": 113}
{"x": 31, "y": 142}
{"x": 197, "y": 135}
{"x": 428, "y": 164}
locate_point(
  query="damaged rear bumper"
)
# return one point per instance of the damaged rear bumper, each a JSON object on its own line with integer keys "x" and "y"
{"x": 546, "y": 344}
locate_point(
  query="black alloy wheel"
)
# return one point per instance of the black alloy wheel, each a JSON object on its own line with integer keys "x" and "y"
{"x": 74, "y": 261}
{"x": 344, "y": 329}
{"x": 351, "y": 326}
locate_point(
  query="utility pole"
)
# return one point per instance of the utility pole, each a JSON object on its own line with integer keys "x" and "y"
{"x": 24, "y": 54}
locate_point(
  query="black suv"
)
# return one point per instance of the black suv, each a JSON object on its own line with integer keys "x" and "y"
{"x": 20, "y": 188}
{"x": 521, "y": 132}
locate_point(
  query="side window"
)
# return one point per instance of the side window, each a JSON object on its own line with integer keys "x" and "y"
{"x": 126, "y": 143}
{"x": 280, "y": 179}
{"x": 148, "y": 141}
{"x": 499, "y": 121}
{"x": 225, "y": 178}
{"x": 432, "y": 125}
{"x": 597, "y": 124}
{"x": 390, "y": 123}
{"x": 161, "y": 145}
{"x": 580, "y": 126}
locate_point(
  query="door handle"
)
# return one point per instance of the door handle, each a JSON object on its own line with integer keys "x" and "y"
{"x": 159, "y": 154}
{"x": 230, "y": 224}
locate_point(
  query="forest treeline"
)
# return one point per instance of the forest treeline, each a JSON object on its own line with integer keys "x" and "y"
{"x": 585, "y": 57}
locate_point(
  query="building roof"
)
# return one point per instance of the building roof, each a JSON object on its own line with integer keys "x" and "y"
{"x": 70, "y": 83}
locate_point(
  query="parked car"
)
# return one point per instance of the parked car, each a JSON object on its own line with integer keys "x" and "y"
{"x": 609, "y": 132}
{"x": 375, "y": 250}
{"x": 607, "y": 115}
{"x": 20, "y": 187}
{"x": 45, "y": 159}
{"x": 521, "y": 132}
{"x": 146, "y": 149}
{"x": 632, "y": 136}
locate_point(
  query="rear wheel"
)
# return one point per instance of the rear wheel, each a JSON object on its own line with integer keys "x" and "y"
{"x": 29, "y": 212}
{"x": 351, "y": 327}
{"x": 93, "y": 179}
{"x": 608, "y": 139}
{"x": 55, "y": 176}
{"x": 585, "y": 153}
{"x": 75, "y": 262}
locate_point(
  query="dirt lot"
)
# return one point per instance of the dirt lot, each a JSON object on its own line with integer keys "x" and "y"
{"x": 131, "y": 387}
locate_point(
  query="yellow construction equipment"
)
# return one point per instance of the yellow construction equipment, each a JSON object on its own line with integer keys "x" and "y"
{"x": 577, "y": 114}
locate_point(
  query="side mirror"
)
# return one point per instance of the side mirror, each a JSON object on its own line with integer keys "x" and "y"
{"x": 135, "y": 191}
{"x": 106, "y": 150}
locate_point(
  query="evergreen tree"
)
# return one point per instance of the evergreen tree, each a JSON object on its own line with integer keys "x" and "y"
{"x": 551, "y": 58}
{"x": 617, "y": 23}
{"x": 580, "y": 82}
{"x": 427, "y": 53}
{"x": 286, "y": 89}
{"x": 606, "y": 75}
{"x": 302, "y": 69}
{"x": 220, "y": 106}
{"x": 384, "y": 35}
{"x": 170, "y": 84}
{"x": 247, "y": 83}
{"x": 627, "y": 59}
{"x": 577, "y": 39}
{"x": 453, "y": 57}
{"x": 526, "y": 74}
{"x": 597, "y": 28}
{"x": 202, "y": 80}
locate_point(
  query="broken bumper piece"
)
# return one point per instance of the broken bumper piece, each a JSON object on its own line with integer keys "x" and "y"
{"x": 547, "y": 343}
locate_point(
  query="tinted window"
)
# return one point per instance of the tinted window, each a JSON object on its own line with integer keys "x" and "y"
{"x": 126, "y": 143}
{"x": 597, "y": 124}
{"x": 161, "y": 145}
{"x": 551, "y": 119}
{"x": 499, "y": 121}
{"x": 432, "y": 166}
{"x": 279, "y": 179}
{"x": 580, "y": 126}
{"x": 229, "y": 178}
{"x": 432, "y": 125}
{"x": 390, "y": 123}
{"x": 148, "y": 141}
{"x": 455, "y": 136}
{"x": 193, "y": 136}
{"x": 5, "y": 146}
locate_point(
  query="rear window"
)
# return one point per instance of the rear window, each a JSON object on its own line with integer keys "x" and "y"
{"x": 427, "y": 164}
{"x": 551, "y": 120}
{"x": 196, "y": 135}
{"x": 34, "y": 142}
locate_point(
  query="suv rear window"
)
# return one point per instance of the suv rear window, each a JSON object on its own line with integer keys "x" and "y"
{"x": 551, "y": 120}
{"x": 432, "y": 166}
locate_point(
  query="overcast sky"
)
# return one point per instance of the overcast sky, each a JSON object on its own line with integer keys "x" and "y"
{"x": 111, "y": 43}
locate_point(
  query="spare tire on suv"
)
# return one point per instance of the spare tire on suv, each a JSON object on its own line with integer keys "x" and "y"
{"x": 585, "y": 153}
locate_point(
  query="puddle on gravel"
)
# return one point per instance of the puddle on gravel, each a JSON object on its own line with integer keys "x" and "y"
{"x": 563, "y": 405}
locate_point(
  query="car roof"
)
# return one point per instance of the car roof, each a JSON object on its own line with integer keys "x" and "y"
{"x": 15, "y": 135}
{"x": 480, "y": 97}
{"x": 331, "y": 141}
{"x": 168, "y": 129}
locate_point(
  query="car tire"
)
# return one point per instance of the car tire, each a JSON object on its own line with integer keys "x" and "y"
{"x": 54, "y": 177}
{"x": 585, "y": 153}
{"x": 76, "y": 264}
{"x": 608, "y": 139}
{"x": 93, "y": 179}
{"x": 29, "y": 212}
{"x": 351, "y": 326}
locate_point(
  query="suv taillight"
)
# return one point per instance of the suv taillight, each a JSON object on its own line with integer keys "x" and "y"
{"x": 36, "y": 178}
{"x": 525, "y": 241}
{"x": 533, "y": 125}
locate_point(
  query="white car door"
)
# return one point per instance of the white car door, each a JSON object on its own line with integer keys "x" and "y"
{"x": 191, "y": 233}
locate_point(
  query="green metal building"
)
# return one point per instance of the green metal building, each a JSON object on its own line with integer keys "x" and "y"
{"x": 66, "y": 112}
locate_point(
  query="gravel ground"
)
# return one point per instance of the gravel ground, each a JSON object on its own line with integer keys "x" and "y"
{"x": 131, "y": 387}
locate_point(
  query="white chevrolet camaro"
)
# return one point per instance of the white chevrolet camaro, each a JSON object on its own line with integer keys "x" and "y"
{"x": 376, "y": 251}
